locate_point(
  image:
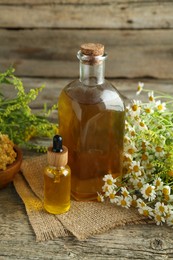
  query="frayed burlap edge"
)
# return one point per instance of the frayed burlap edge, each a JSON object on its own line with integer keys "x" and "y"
{"x": 45, "y": 226}
{"x": 86, "y": 219}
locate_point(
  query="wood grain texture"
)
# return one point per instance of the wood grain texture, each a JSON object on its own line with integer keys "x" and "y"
{"x": 52, "y": 53}
{"x": 17, "y": 240}
{"x": 87, "y": 14}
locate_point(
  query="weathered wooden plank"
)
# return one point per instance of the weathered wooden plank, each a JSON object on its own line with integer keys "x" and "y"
{"x": 139, "y": 15}
{"x": 53, "y": 87}
{"x": 85, "y": 2}
{"x": 52, "y": 53}
{"x": 17, "y": 240}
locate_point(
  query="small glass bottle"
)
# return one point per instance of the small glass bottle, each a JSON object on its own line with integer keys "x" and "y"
{"x": 57, "y": 178}
{"x": 91, "y": 116}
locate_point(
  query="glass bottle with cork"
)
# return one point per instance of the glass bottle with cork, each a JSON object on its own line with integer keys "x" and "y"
{"x": 91, "y": 121}
{"x": 57, "y": 178}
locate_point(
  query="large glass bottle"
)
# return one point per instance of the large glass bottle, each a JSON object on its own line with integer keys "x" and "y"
{"x": 91, "y": 121}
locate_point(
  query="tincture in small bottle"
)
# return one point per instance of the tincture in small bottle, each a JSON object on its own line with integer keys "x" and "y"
{"x": 57, "y": 178}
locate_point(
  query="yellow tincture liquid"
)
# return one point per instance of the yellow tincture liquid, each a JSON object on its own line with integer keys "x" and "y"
{"x": 91, "y": 117}
{"x": 57, "y": 178}
{"x": 57, "y": 185}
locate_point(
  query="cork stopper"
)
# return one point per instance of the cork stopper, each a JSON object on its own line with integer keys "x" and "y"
{"x": 92, "y": 49}
{"x": 57, "y": 159}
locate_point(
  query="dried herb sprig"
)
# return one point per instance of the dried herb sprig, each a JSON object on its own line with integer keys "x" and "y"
{"x": 16, "y": 117}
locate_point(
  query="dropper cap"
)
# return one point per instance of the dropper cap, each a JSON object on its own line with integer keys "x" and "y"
{"x": 57, "y": 155}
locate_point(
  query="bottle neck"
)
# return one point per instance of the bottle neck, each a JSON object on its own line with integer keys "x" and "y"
{"x": 92, "y": 69}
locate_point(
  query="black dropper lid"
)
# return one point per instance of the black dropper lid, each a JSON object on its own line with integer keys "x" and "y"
{"x": 57, "y": 144}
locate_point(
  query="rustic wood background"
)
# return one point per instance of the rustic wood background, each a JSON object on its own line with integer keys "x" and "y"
{"x": 40, "y": 38}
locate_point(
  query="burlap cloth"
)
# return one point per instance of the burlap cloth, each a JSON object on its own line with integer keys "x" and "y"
{"x": 82, "y": 220}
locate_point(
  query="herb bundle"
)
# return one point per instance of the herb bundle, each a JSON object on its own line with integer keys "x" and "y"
{"x": 16, "y": 117}
{"x": 147, "y": 182}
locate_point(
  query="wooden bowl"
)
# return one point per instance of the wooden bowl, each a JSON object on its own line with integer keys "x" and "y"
{"x": 7, "y": 175}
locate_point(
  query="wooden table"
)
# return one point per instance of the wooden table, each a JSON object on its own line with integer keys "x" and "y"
{"x": 17, "y": 239}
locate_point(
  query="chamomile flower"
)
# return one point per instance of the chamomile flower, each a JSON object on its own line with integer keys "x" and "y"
{"x": 161, "y": 107}
{"x": 146, "y": 211}
{"x": 159, "y": 151}
{"x": 161, "y": 208}
{"x": 141, "y": 203}
{"x": 151, "y": 97}
{"x": 109, "y": 180}
{"x": 159, "y": 219}
{"x": 136, "y": 167}
{"x": 138, "y": 183}
{"x": 166, "y": 190}
{"x": 100, "y": 197}
{"x": 127, "y": 140}
{"x": 158, "y": 183}
{"x": 140, "y": 88}
{"x": 148, "y": 192}
{"x": 148, "y": 109}
{"x": 113, "y": 198}
{"x": 168, "y": 198}
{"x": 141, "y": 125}
{"x": 107, "y": 189}
{"x": 134, "y": 201}
{"x": 147, "y": 160}
{"x": 124, "y": 201}
{"x": 135, "y": 107}
{"x": 124, "y": 192}
{"x": 130, "y": 149}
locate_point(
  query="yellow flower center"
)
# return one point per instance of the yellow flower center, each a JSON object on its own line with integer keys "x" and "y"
{"x": 109, "y": 182}
{"x": 111, "y": 196}
{"x": 158, "y": 183}
{"x": 139, "y": 184}
{"x": 166, "y": 197}
{"x": 158, "y": 149}
{"x": 123, "y": 203}
{"x": 160, "y": 107}
{"x": 132, "y": 133}
{"x": 134, "y": 107}
{"x": 165, "y": 191}
{"x": 136, "y": 168}
{"x": 161, "y": 208}
{"x": 147, "y": 110}
{"x": 131, "y": 151}
{"x": 158, "y": 218}
{"x": 134, "y": 203}
{"x": 148, "y": 191}
{"x": 144, "y": 157}
{"x": 98, "y": 198}
{"x": 127, "y": 159}
{"x": 125, "y": 194}
{"x": 143, "y": 204}
{"x": 141, "y": 124}
{"x": 146, "y": 212}
{"x": 151, "y": 98}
